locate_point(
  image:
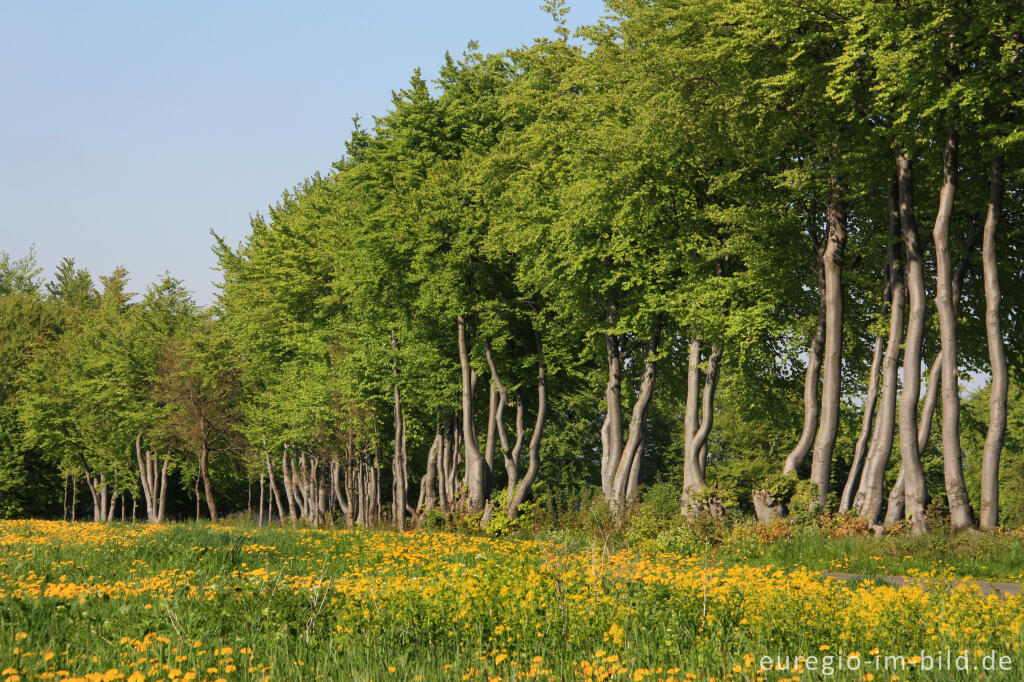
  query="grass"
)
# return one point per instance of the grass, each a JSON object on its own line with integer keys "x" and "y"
{"x": 195, "y": 601}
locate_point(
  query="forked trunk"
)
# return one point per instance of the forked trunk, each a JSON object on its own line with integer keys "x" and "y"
{"x": 522, "y": 489}
{"x": 693, "y": 471}
{"x": 637, "y": 423}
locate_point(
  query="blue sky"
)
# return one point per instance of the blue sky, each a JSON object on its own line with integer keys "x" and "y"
{"x": 129, "y": 130}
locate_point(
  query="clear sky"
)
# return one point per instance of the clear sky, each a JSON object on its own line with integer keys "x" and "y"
{"x": 129, "y": 130}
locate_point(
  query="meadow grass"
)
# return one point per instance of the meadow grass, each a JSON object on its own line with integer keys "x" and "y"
{"x": 203, "y": 602}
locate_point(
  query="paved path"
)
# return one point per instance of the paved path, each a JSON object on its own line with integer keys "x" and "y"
{"x": 987, "y": 587}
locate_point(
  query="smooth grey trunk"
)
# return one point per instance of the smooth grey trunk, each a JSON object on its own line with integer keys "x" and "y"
{"x": 263, "y": 485}
{"x": 811, "y": 406}
{"x": 915, "y": 492}
{"x": 498, "y": 399}
{"x": 691, "y": 460}
{"x": 895, "y": 507}
{"x": 289, "y": 488}
{"x": 996, "y": 355}
{"x": 274, "y": 492}
{"x": 693, "y": 468}
{"x": 637, "y": 425}
{"x": 872, "y": 485}
{"x": 864, "y": 439}
{"x": 522, "y": 489}
{"x": 144, "y": 477}
{"x": 400, "y": 477}
{"x": 512, "y": 455}
{"x": 868, "y": 499}
{"x": 961, "y": 515}
{"x": 476, "y": 467}
{"x": 832, "y": 358}
{"x": 611, "y": 429}
{"x": 429, "y": 482}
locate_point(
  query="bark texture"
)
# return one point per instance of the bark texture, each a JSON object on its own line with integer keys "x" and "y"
{"x": 996, "y": 355}
{"x": 960, "y": 512}
{"x": 913, "y": 473}
{"x": 832, "y": 359}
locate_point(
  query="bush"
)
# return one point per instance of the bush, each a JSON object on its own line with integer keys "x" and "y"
{"x": 844, "y": 525}
{"x": 695, "y": 536}
{"x": 661, "y": 501}
{"x": 769, "y": 533}
{"x": 500, "y": 523}
{"x": 434, "y": 520}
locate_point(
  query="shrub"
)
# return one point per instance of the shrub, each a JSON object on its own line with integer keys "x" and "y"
{"x": 769, "y": 533}
{"x": 693, "y": 536}
{"x": 661, "y": 501}
{"x": 434, "y": 520}
{"x": 844, "y": 525}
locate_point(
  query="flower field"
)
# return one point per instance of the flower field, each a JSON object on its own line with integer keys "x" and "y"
{"x": 183, "y": 602}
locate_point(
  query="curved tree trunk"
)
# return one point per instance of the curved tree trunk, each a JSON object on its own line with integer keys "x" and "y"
{"x": 811, "y": 406}
{"x": 960, "y": 512}
{"x": 913, "y": 473}
{"x": 860, "y": 450}
{"x": 896, "y": 506}
{"x": 693, "y": 473}
{"x": 868, "y": 500}
{"x": 204, "y": 472}
{"x": 832, "y": 360}
{"x": 637, "y": 423}
{"x": 996, "y": 355}
{"x": 512, "y": 456}
{"x": 533, "y": 468}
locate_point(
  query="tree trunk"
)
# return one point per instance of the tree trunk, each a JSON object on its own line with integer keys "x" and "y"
{"x": 832, "y": 361}
{"x": 204, "y": 471}
{"x": 693, "y": 469}
{"x": 146, "y": 480}
{"x": 996, "y": 355}
{"x": 476, "y": 468}
{"x": 868, "y": 500}
{"x": 860, "y": 449}
{"x": 896, "y": 505}
{"x": 913, "y": 473}
{"x": 611, "y": 430}
{"x": 637, "y": 422}
{"x": 289, "y": 488}
{"x": 533, "y": 455}
{"x": 691, "y": 460}
{"x": 400, "y": 481}
{"x": 274, "y": 492}
{"x": 766, "y": 507}
{"x": 512, "y": 456}
{"x": 263, "y": 485}
{"x": 811, "y": 406}
{"x": 960, "y": 512}
{"x": 428, "y": 484}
